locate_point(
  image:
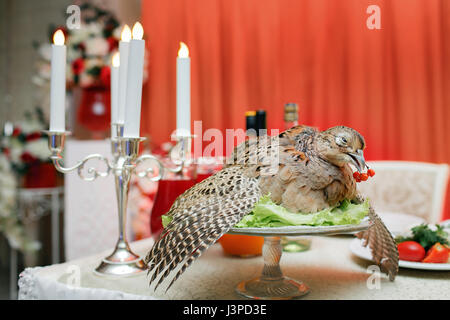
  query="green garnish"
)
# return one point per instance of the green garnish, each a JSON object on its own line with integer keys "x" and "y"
{"x": 266, "y": 213}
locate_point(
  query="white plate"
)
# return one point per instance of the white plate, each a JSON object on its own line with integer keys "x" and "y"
{"x": 359, "y": 250}
{"x": 302, "y": 230}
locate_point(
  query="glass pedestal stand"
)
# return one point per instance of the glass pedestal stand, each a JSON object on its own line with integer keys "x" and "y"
{"x": 272, "y": 284}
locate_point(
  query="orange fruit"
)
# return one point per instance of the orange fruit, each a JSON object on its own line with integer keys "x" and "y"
{"x": 241, "y": 245}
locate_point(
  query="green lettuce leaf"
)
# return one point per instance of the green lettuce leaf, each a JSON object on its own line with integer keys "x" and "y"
{"x": 268, "y": 214}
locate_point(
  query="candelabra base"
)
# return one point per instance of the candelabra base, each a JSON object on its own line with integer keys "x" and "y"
{"x": 121, "y": 263}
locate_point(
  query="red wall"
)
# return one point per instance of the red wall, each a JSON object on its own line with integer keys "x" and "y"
{"x": 392, "y": 84}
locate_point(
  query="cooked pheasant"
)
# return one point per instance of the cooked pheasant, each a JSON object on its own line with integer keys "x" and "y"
{"x": 302, "y": 169}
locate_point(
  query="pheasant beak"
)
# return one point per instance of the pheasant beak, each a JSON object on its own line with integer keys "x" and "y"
{"x": 358, "y": 160}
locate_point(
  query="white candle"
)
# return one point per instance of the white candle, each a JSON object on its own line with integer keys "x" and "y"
{"x": 114, "y": 92}
{"x": 124, "y": 48}
{"x": 134, "y": 83}
{"x": 58, "y": 83}
{"x": 183, "y": 91}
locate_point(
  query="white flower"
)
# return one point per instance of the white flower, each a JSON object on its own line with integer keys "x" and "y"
{"x": 94, "y": 29}
{"x": 38, "y": 148}
{"x": 7, "y": 188}
{"x": 45, "y": 51}
{"x": 30, "y": 126}
{"x": 15, "y": 151}
{"x": 117, "y": 33}
{"x": 78, "y": 35}
{"x": 97, "y": 47}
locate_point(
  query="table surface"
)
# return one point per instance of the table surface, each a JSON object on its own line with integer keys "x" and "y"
{"x": 328, "y": 268}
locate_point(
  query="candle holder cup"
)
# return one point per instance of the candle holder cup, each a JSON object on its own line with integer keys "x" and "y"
{"x": 126, "y": 162}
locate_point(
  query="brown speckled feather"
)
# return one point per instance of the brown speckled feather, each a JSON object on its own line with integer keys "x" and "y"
{"x": 381, "y": 244}
{"x": 201, "y": 216}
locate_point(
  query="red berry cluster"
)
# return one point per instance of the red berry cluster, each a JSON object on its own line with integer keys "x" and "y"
{"x": 363, "y": 176}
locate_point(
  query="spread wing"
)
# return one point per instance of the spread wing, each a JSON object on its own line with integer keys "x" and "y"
{"x": 200, "y": 216}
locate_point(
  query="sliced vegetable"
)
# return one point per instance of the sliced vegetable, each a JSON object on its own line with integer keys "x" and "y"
{"x": 437, "y": 254}
{"x": 426, "y": 236}
{"x": 410, "y": 251}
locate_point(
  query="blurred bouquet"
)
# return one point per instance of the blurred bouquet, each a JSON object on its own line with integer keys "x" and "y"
{"x": 89, "y": 53}
{"x": 10, "y": 224}
{"x": 26, "y": 149}
{"x": 89, "y": 49}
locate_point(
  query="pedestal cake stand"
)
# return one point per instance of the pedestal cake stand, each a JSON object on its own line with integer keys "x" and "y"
{"x": 272, "y": 284}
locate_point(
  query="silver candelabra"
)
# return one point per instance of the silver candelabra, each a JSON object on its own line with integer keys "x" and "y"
{"x": 126, "y": 160}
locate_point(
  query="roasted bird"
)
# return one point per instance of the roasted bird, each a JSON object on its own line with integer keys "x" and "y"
{"x": 302, "y": 169}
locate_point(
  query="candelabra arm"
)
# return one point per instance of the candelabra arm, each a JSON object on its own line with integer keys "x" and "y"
{"x": 150, "y": 172}
{"x": 80, "y": 166}
{"x": 56, "y": 140}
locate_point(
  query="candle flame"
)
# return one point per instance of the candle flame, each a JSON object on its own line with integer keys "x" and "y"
{"x": 58, "y": 38}
{"x": 116, "y": 60}
{"x": 183, "y": 52}
{"x": 138, "y": 31}
{"x": 126, "y": 34}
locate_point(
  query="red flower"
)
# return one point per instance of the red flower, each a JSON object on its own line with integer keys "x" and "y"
{"x": 82, "y": 46}
{"x": 78, "y": 66}
{"x": 27, "y": 157}
{"x": 105, "y": 76}
{"x": 6, "y": 151}
{"x": 16, "y": 132}
{"x": 113, "y": 43}
{"x": 33, "y": 136}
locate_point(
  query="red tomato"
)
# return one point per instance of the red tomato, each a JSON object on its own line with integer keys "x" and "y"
{"x": 371, "y": 172}
{"x": 436, "y": 254}
{"x": 410, "y": 251}
{"x": 364, "y": 177}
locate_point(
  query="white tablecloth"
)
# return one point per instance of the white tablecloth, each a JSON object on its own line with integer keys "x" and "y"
{"x": 328, "y": 268}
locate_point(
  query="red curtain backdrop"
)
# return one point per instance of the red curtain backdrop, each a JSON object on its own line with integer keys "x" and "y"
{"x": 392, "y": 84}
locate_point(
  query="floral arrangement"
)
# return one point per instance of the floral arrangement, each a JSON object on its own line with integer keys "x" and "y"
{"x": 25, "y": 145}
{"x": 10, "y": 224}
{"x": 89, "y": 49}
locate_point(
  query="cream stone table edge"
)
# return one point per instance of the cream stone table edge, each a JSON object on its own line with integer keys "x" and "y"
{"x": 329, "y": 267}
{"x": 272, "y": 284}
{"x": 272, "y": 248}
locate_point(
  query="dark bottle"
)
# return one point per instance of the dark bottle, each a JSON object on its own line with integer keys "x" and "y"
{"x": 250, "y": 124}
{"x": 261, "y": 124}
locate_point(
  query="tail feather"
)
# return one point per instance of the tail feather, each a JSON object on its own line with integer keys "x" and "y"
{"x": 382, "y": 245}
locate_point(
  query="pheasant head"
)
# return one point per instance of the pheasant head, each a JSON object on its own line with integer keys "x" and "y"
{"x": 341, "y": 145}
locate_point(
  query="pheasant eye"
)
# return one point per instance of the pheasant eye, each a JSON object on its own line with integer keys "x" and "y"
{"x": 341, "y": 141}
